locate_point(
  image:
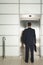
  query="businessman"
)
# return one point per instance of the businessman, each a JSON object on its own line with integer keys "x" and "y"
{"x": 29, "y": 39}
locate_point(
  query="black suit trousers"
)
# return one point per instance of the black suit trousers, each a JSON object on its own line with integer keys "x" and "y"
{"x": 27, "y": 53}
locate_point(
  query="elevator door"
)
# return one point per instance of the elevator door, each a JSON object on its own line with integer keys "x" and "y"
{"x": 35, "y": 25}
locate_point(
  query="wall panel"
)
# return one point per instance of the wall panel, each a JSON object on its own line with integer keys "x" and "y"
{"x": 9, "y": 1}
{"x": 12, "y": 51}
{"x": 42, "y": 1}
{"x": 9, "y": 8}
{"x": 31, "y": 8}
{"x": 42, "y": 19}
{"x": 42, "y": 51}
{"x": 1, "y": 51}
{"x": 41, "y": 32}
{"x": 29, "y": 1}
{"x": 9, "y": 19}
{"x": 10, "y": 40}
{"x": 9, "y": 30}
{"x": 42, "y": 8}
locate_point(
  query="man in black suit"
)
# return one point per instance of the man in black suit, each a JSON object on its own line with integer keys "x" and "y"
{"x": 29, "y": 39}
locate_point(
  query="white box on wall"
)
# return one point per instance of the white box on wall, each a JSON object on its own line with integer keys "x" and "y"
{"x": 41, "y": 19}
{"x": 30, "y": 8}
{"x": 12, "y": 51}
{"x": 9, "y": 29}
{"x": 41, "y": 40}
{"x": 9, "y": 8}
{"x": 42, "y": 8}
{"x": 1, "y": 51}
{"x": 9, "y": 19}
{"x": 42, "y": 1}
{"x": 42, "y": 51}
{"x": 9, "y": 1}
{"x": 12, "y": 40}
{"x": 1, "y": 40}
{"x": 41, "y": 27}
{"x": 29, "y": 1}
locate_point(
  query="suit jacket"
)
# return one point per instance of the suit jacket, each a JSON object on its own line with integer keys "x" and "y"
{"x": 28, "y": 37}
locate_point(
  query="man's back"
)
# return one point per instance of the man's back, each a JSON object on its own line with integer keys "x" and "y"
{"x": 29, "y": 36}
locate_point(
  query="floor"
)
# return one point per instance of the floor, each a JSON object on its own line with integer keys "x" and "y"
{"x": 19, "y": 60}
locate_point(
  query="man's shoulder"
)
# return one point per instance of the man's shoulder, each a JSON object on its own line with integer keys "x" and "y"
{"x": 28, "y": 29}
{"x": 24, "y": 30}
{"x": 32, "y": 29}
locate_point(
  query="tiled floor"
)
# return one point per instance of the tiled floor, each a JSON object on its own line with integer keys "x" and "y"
{"x": 19, "y": 61}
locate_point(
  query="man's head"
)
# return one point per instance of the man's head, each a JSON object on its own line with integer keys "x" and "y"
{"x": 29, "y": 24}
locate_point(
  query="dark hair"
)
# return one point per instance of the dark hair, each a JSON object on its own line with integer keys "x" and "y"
{"x": 29, "y": 23}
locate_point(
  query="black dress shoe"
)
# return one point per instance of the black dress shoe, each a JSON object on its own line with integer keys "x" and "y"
{"x": 26, "y": 61}
{"x": 32, "y": 61}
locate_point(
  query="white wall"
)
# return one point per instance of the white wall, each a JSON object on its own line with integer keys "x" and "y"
{"x": 9, "y": 19}
{"x": 9, "y": 1}
{"x": 30, "y": 8}
{"x": 41, "y": 35}
{"x": 29, "y": 1}
{"x": 8, "y": 8}
{"x": 42, "y": 1}
{"x": 9, "y": 23}
{"x": 42, "y": 8}
{"x": 9, "y": 27}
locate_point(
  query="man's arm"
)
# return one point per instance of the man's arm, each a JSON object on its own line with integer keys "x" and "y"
{"x": 35, "y": 41}
{"x": 34, "y": 37}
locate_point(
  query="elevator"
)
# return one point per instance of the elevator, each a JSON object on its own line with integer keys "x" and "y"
{"x": 35, "y": 24}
